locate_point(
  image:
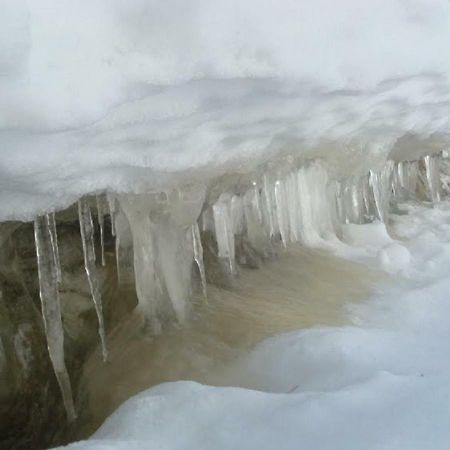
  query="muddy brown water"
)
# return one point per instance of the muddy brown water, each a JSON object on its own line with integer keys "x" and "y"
{"x": 299, "y": 289}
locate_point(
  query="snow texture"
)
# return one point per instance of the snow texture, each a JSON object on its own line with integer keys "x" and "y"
{"x": 132, "y": 96}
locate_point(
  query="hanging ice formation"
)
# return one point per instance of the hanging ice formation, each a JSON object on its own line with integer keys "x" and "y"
{"x": 223, "y": 227}
{"x": 55, "y": 248}
{"x": 164, "y": 250}
{"x": 198, "y": 255}
{"x": 111, "y": 200}
{"x": 405, "y": 178}
{"x": 48, "y": 263}
{"x": 432, "y": 177}
{"x": 158, "y": 236}
{"x": 87, "y": 238}
{"x": 101, "y": 224}
{"x": 381, "y": 183}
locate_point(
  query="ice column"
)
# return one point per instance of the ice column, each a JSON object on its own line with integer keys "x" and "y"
{"x": 45, "y": 238}
{"x": 87, "y": 238}
{"x": 148, "y": 282}
{"x": 380, "y": 183}
{"x": 432, "y": 177}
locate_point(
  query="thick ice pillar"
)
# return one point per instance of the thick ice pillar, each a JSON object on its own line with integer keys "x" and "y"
{"x": 45, "y": 238}
{"x": 161, "y": 229}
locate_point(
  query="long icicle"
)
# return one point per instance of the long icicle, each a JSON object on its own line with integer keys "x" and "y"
{"x": 54, "y": 240}
{"x": 45, "y": 238}
{"x": 101, "y": 223}
{"x": 198, "y": 255}
{"x": 87, "y": 238}
{"x": 111, "y": 199}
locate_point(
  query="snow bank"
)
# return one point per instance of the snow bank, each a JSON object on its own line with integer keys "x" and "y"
{"x": 380, "y": 383}
{"x": 133, "y": 96}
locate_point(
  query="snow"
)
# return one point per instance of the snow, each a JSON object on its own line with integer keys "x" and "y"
{"x": 380, "y": 382}
{"x": 135, "y": 96}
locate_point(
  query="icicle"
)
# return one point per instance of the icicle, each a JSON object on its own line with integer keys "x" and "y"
{"x": 54, "y": 237}
{"x": 198, "y": 255}
{"x": 101, "y": 223}
{"x": 255, "y": 233}
{"x": 112, "y": 211}
{"x": 257, "y": 202}
{"x": 224, "y": 230}
{"x": 87, "y": 238}
{"x": 123, "y": 249}
{"x": 237, "y": 214}
{"x": 411, "y": 177}
{"x": 282, "y": 211}
{"x": 367, "y": 196}
{"x": 292, "y": 194}
{"x": 340, "y": 208}
{"x": 405, "y": 177}
{"x": 381, "y": 188}
{"x": 432, "y": 177}
{"x": 51, "y": 308}
{"x": 207, "y": 220}
{"x": 314, "y": 204}
{"x": 269, "y": 208}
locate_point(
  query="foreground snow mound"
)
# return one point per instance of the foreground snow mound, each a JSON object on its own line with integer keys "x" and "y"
{"x": 381, "y": 383}
{"x": 133, "y": 96}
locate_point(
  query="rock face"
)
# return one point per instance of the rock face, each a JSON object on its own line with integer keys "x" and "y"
{"x": 154, "y": 254}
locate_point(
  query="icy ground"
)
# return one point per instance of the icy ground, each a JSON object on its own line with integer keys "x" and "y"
{"x": 382, "y": 382}
{"x": 135, "y": 95}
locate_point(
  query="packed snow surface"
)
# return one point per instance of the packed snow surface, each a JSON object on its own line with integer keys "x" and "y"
{"x": 135, "y": 95}
{"x": 381, "y": 382}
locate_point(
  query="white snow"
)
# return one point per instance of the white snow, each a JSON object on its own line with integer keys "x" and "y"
{"x": 131, "y": 96}
{"x": 379, "y": 383}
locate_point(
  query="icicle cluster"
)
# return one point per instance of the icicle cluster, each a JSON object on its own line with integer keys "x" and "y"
{"x": 298, "y": 206}
{"x": 158, "y": 238}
